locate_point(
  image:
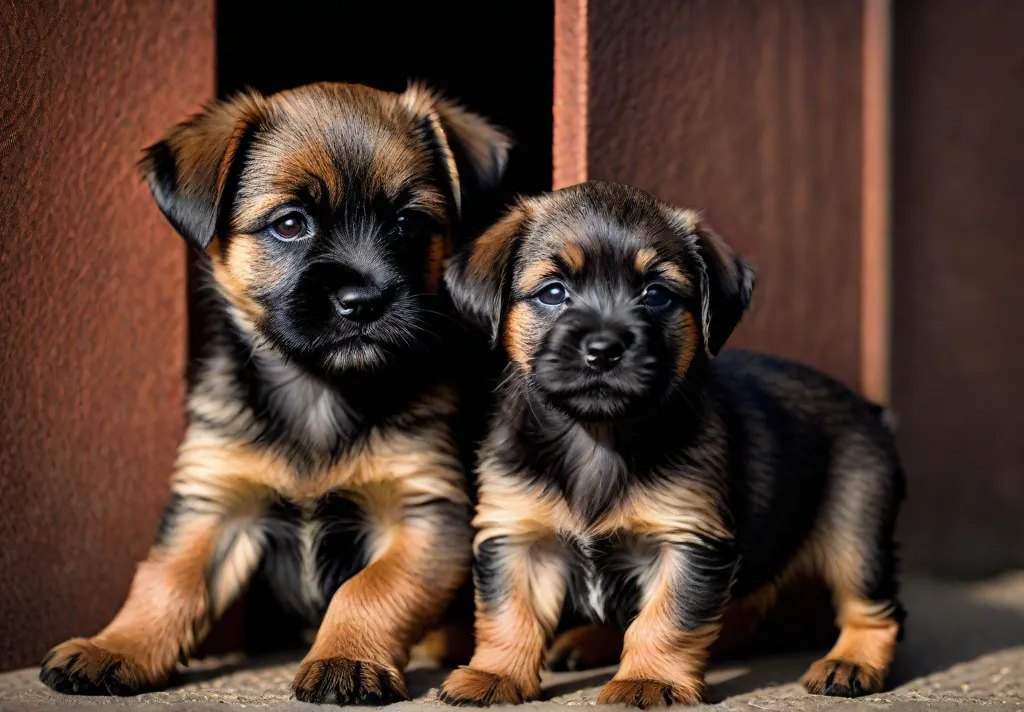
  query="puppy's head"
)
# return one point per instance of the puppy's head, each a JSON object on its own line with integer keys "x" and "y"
{"x": 603, "y": 296}
{"x": 327, "y": 212}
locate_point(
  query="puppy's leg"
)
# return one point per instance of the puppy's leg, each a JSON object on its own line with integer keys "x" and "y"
{"x": 585, "y": 647}
{"x": 202, "y": 558}
{"x": 374, "y": 618}
{"x": 857, "y": 557}
{"x": 521, "y": 584}
{"x": 666, "y": 648}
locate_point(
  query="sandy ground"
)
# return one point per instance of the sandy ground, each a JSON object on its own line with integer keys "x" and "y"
{"x": 964, "y": 648}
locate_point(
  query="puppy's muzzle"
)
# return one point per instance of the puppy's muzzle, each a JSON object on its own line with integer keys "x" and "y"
{"x": 360, "y": 304}
{"x": 603, "y": 350}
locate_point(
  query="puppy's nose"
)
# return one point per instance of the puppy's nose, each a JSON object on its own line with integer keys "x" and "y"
{"x": 603, "y": 350}
{"x": 360, "y": 304}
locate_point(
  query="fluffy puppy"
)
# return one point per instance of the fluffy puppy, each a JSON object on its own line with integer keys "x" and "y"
{"x": 321, "y": 449}
{"x": 635, "y": 472}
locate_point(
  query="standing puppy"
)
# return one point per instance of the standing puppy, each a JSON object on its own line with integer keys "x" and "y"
{"x": 635, "y": 472}
{"x": 321, "y": 449}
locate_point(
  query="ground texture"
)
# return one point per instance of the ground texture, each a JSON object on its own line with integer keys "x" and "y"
{"x": 964, "y": 648}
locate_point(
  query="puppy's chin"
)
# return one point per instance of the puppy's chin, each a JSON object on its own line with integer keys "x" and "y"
{"x": 592, "y": 407}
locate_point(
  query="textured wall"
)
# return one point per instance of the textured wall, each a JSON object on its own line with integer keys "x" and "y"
{"x": 92, "y": 287}
{"x": 958, "y": 241}
{"x": 751, "y": 112}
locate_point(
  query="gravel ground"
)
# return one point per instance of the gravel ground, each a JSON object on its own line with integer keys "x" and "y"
{"x": 964, "y": 648}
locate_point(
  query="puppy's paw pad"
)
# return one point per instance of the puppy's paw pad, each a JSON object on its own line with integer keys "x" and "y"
{"x": 584, "y": 648}
{"x": 476, "y": 688}
{"x": 81, "y": 667}
{"x": 343, "y": 681}
{"x": 646, "y": 694}
{"x": 842, "y": 678}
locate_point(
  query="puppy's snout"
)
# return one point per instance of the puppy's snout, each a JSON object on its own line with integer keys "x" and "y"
{"x": 603, "y": 350}
{"x": 360, "y": 304}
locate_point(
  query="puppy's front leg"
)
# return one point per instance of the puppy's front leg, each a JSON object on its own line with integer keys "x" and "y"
{"x": 520, "y": 586}
{"x": 666, "y": 648}
{"x": 375, "y": 617}
{"x": 203, "y": 556}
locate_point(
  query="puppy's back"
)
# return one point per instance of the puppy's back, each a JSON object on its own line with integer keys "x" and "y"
{"x": 813, "y": 462}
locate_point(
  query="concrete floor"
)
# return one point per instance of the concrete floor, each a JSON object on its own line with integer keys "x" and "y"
{"x": 964, "y": 648}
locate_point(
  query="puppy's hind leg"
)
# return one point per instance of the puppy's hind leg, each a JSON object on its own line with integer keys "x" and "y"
{"x": 857, "y": 556}
{"x": 586, "y": 646}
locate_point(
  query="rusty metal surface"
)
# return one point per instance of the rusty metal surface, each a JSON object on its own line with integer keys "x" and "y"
{"x": 92, "y": 288}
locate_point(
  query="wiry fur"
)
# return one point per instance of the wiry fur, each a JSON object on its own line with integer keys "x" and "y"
{"x": 322, "y": 452}
{"x": 681, "y": 479}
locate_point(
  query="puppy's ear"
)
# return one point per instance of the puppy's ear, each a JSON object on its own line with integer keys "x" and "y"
{"x": 726, "y": 279}
{"x": 477, "y": 276}
{"x": 189, "y": 170}
{"x": 472, "y": 153}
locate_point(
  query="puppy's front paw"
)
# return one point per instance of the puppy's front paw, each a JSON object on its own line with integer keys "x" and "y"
{"x": 343, "y": 681}
{"x": 646, "y": 694}
{"x": 82, "y": 667}
{"x": 842, "y": 678}
{"x": 476, "y": 688}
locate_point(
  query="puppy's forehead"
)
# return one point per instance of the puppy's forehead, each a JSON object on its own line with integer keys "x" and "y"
{"x": 584, "y": 226}
{"x": 331, "y": 140}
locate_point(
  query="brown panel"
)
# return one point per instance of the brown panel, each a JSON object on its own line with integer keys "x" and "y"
{"x": 959, "y": 298}
{"x": 569, "y": 155}
{"x": 876, "y": 239}
{"x": 92, "y": 282}
{"x": 751, "y": 111}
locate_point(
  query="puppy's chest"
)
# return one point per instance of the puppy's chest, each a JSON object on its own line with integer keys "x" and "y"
{"x": 609, "y": 574}
{"x": 313, "y": 545}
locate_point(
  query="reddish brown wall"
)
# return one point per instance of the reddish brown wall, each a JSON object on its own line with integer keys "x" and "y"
{"x": 750, "y": 111}
{"x": 92, "y": 283}
{"x": 958, "y": 238}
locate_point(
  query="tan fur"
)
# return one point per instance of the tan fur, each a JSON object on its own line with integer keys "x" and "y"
{"x": 491, "y": 250}
{"x": 675, "y": 276}
{"x": 689, "y": 336}
{"x": 572, "y": 255}
{"x": 533, "y": 277}
{"x": 518, "y": 335}
{"x": 441, "y": 246}
{"x": 645, "y": 259}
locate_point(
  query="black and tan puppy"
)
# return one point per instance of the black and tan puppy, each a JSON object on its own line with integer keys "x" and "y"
{"x": 321, "y": 448}
{"x": 634, "y": 471}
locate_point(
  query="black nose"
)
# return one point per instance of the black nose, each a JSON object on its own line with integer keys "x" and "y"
{"x": 603, "y": 350}
{"x": 361, "y": 304}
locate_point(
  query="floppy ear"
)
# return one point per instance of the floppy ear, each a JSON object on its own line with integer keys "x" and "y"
{"x": 189, "y": 170}
{"x": 477, "y": 275}
{"x": 471, "y": 152}
{"x": 726, "y": 279}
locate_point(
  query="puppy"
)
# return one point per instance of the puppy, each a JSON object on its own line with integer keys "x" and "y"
{"x": 633, "y": 471}
{"x": 321, "y": 448}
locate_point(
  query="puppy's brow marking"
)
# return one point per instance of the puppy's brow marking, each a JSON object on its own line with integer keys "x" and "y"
{"x": 645, "y": 257}
{"x": 535, "y": 275}
{"x": 572, "y": 255}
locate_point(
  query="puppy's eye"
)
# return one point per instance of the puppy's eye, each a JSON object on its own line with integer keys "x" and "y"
{"x": 656, "y": 297}
{"x": 553, "y": 294}
{"x": 410, "y": 223}
{"x": 289, "y": 227}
